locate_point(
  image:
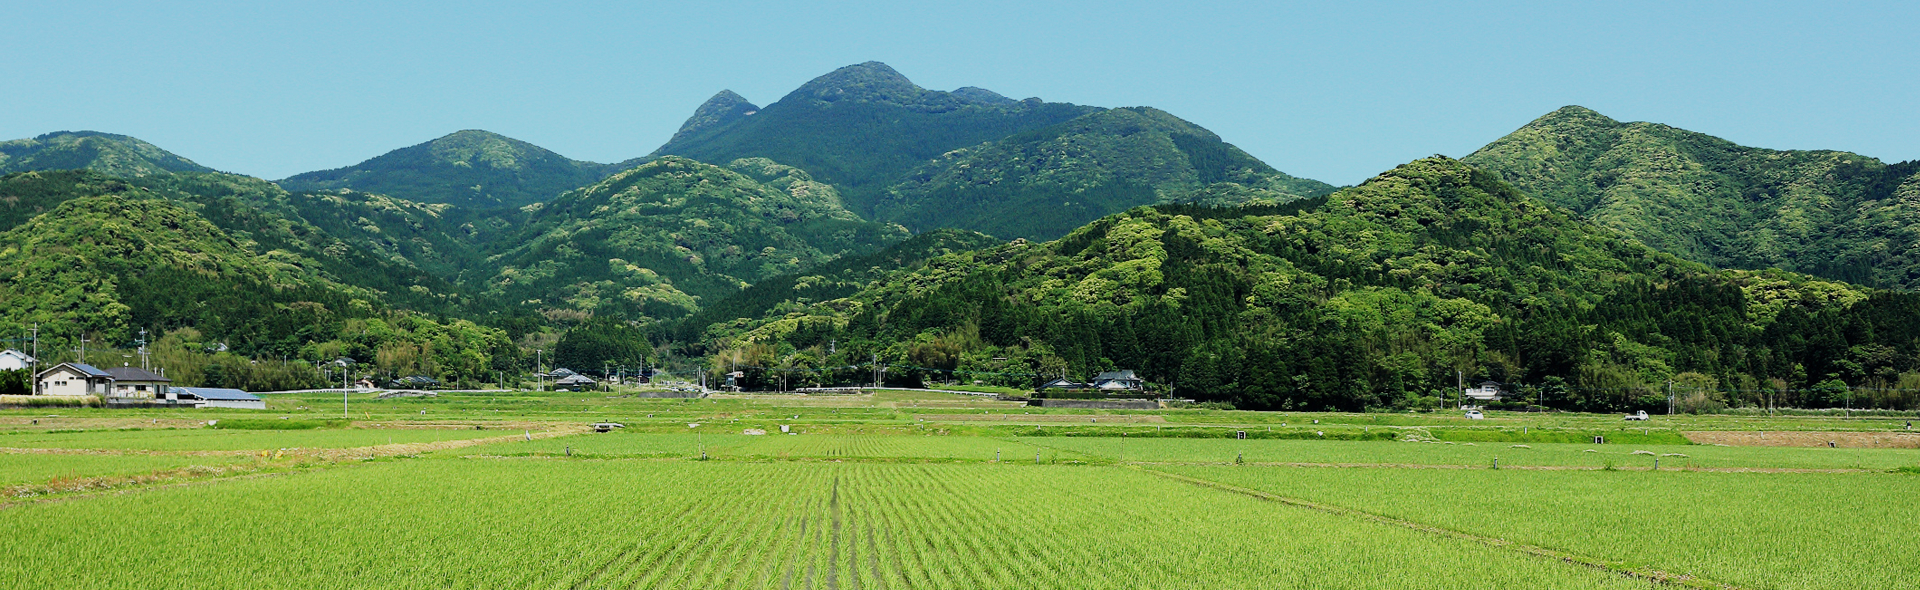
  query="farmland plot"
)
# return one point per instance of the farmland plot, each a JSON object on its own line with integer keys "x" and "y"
{"x": 479, "y": 523}
{"x": 1203, "y": 450}
{"x": 1759, "y": 530}
{"x": 208, "y": 439}
{"x": 39, "y": 468}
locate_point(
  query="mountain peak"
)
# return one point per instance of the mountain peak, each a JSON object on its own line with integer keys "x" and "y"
{"x": 116, "y": 155}
{"x": 979, "y": 95}
{"x": 725, "y": 107}
{"x": 1574, "y": 115}
{"x": 865, "y": 82}
{"x": 470, "y": 167}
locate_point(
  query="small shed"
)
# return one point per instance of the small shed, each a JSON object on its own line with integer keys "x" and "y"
{"x": 216, "y": 397}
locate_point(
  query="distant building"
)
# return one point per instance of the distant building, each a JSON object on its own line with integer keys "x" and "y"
{"x": 1118, "y": 381}
{"x": 215, "y": 397}
{"x": 574, "y": 383}
{"x": 1063, "y": 383}
{"x": 413, "y": 382}
{"x": 74, "y": 379}
{"x": 138, "y": 382}
{"x": 14, "y": 360}
{"x": 1488, "y": 391}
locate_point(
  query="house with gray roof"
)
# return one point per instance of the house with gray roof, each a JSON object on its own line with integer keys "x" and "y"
{"x": 138, "y": 382}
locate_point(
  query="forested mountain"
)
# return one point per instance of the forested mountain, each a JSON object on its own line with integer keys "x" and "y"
{"x": 398, "y": 251}
{"x": 658, "y": 239}
{"x": 833, "y": 280}
{"x": 1370, "y": 298}
{"x": 1828, "y": 213}
{"x": 1081, "y": 170}
{"x": 862, "y": 128}
{"x": 973, "y": 159}
{"x": 116, "y": 155}
{"x": 474, "y": 169}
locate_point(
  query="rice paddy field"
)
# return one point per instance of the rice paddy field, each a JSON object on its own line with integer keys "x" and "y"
{"x": 868, "y": 492}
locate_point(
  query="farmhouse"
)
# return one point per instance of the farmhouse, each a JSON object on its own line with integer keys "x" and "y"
{"x": 14, "y": 360}
{"x": 574, "y": 383}
{"x": 215, "y": 397}
{"x": 1064, "y": 383}
{"x": 1123, "y": 380}
{"x": 74, "y": 379}
{"x": 138, "y": 382}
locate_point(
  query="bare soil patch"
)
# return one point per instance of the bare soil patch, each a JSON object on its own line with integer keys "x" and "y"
{"x": 1031, "y": 418}
{"x": 1851, "y": 440}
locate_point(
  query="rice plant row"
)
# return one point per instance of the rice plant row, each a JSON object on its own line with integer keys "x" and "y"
{"x": 478, "y": 523}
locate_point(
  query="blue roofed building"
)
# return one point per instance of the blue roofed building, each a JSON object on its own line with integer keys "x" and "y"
{"x": 214, "y": 397}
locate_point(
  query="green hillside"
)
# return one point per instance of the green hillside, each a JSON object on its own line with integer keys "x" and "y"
{"x": 115, "y": 155}
{"x": 825, "y": 282}
{"x": 111, "y": 263}
{"x": 400, "y": 251}
{"x": 1371, "y": 298}
{"x": 862, "y": 127}
{"x": 658, "y": 239}
{"x": 1828, "y": 213}
{"x": 1045, "y": 182}
{"x": 474, "y": 169}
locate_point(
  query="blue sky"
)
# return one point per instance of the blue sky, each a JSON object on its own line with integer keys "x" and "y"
{"x": 1336, "y": 93}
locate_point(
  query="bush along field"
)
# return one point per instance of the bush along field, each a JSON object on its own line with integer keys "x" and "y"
{"x": 941, "y": 491}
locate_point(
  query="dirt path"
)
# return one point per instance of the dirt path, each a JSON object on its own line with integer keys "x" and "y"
{"x": 270, "y": 463}
{"x": 1649, "y": 575}
{"x": 1791, "y": 438}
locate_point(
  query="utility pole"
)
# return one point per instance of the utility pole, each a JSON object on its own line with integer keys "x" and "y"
{"x": 144, "y": 364}
{"x": 83, "y": 347}
{"x": 1669, "y": 397}
{"x": 1460, "y": 384}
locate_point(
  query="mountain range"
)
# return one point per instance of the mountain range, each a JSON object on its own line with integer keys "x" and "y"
{"x": 954, "y": 231}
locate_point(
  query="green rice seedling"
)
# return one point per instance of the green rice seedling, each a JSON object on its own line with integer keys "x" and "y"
{"x": 450, "y": 522}
{"x": 1750, "y": 529}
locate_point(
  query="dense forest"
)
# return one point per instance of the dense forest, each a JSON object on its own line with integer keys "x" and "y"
{"x": 1382, "y": 296}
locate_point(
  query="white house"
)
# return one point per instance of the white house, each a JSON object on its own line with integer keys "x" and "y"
{"x": 74, "y": 379}
{"x": 215, "y": 397}
{"x": 14, "y": 360}
{"x": 1488, "y": 391}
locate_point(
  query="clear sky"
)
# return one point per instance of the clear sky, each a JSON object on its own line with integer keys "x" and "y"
{"x": 1334, "y": 91}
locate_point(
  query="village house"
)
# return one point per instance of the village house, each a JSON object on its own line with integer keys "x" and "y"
{"x": 1488, "y": 391}
{"x": 574, "y": 383}
{"x": 1116, "y": 381}
{"x": 138, "y": 382}
{"x": 14, "y": 360}
{"x": 1063, "y": 383}
{"x": 74, "y": 379}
